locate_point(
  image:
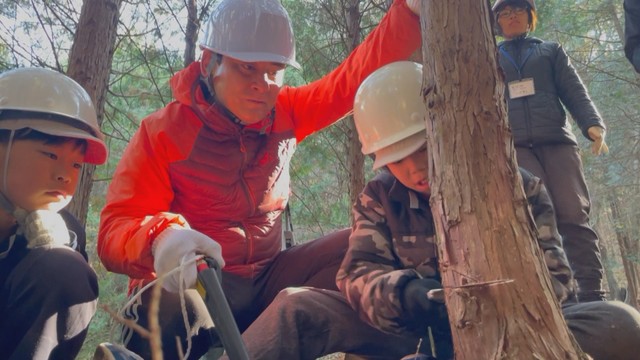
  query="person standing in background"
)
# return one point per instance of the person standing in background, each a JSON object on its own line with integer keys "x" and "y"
{"x": 541, "y": 82}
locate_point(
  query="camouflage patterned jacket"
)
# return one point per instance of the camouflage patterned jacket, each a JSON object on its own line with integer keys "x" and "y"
{"x": 393, "y": 241}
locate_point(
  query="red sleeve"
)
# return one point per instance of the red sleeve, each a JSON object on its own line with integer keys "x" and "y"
{"x": 325, "y": 101}
{"x": 140, "y": 187}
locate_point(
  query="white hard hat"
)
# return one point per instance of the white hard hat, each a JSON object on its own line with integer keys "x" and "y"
{"x": 399, "y": 150}
{"x": 389, "y": 112}
{"x": 251, "y": 31}
{"x": 52, "y": 103}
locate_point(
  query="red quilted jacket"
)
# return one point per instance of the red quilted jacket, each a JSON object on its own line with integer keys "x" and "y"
{"x": 189, "y": 164}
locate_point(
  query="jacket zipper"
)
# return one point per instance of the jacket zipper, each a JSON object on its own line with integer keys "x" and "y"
{"x": 525, "y": 100}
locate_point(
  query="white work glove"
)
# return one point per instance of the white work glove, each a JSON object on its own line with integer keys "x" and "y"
{"x": 414, "y": 5}
{"x": 596, "y": 133}
{"x": 176, "y": 245}
{"x": 42, "y": 227}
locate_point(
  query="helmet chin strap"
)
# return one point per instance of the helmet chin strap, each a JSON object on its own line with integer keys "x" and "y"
{"x": 5, "y": 203}
{"x": 206, "y": 75}
{"x": 207, "y": 79}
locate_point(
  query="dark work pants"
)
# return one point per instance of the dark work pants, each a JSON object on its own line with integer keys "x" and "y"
{"x": 606, "y": 330}
{"x": 313, "y": 264}
{"x": 307, "y": 323}
{"x": 560, "y": 168}
{"x": 289, "y": 330}
{"x": 47, "y": 299}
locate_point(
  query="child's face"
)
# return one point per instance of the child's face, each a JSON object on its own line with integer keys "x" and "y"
{"x": 41, "y": 176}
{"x": 412, "y": 171}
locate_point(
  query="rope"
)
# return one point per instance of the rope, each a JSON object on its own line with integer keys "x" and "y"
{"x": 183, "y": 308}
{"x": 183, "y": 305}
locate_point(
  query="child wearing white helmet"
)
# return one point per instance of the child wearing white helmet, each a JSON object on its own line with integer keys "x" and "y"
{"x": 48, "y": 291}
{"x": 390, "y": 271}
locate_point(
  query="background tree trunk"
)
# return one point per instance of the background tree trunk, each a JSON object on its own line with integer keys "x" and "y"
{"x": 354, "y": 147}
{"x": 191, "y": 32}
{"x": 612, "y": 282}
{"x": 628, "y": 249}
{"x": 485, "y": 231}
{"x": 90, "y": 65}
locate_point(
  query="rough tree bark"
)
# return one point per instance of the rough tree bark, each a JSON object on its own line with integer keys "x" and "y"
{"x": 485, "y": 231}
{"x": 90, "y": 64}
{"x": 354, "y": 147}
{"x": 191, "y": 34}
{"x": 612, "y": 283}
{"x": 628, "y": 251}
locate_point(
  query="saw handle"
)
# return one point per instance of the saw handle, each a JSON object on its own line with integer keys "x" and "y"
{"x": 210, "y": 288}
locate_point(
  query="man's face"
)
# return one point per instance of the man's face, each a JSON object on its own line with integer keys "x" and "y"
{"x": 41, "y": 176}
{"x": 412, "y": 171}
{"x": 248, "y": 89}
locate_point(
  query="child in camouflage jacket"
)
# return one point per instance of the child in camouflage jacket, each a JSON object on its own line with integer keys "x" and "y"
{"x": 391, "y": 264}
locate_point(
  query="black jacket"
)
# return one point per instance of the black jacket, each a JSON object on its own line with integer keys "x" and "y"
{"x": 632, "y": 32}
{"x": 76, "y": 228}
{"x": 540, "y": 119}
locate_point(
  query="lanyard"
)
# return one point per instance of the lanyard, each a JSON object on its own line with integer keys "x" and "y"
{"x": 517, "y": 66}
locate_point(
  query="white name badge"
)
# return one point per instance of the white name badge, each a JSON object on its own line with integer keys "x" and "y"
{"x": 521, "y": 88}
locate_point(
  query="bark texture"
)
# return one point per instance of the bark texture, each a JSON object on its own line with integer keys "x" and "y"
{"x": 354, "y": 147}
{"x": 628, "y": 251}
{"x": 485, "y": 230}
{"x": 90, "y": 65}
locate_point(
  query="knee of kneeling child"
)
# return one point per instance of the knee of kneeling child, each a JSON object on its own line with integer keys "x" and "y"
{"x": 66, "y": 272}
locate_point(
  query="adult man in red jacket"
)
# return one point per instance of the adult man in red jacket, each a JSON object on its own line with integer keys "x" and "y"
{"x": 209, "y": 173}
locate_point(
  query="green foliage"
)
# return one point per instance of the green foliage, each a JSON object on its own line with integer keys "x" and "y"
{"x": 319, "y": 171}
{"x": 319, "y": 200}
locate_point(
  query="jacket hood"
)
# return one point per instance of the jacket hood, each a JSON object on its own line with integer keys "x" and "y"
{"x": 182, "y": 82}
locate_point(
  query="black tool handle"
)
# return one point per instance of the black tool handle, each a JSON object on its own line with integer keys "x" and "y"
{"x": 209, "y": 276}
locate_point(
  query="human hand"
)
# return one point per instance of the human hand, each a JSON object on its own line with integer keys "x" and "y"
{"x": 414, "y": 5}
{"x": 177, "y": 244}
{"x": 42, "y": 227}
{"x": 415, "y": 299}
{"x": 597, "y": 134}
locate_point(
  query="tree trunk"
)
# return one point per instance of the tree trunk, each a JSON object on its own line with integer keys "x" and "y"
{"x": 354, "y": 147}
{"x": 612, "y": 283}
{"x": 485, "y": 230}
{"x": 191, "y": 36}
{"x": 628, "y": 251}
{"x": 90, "y": 65}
